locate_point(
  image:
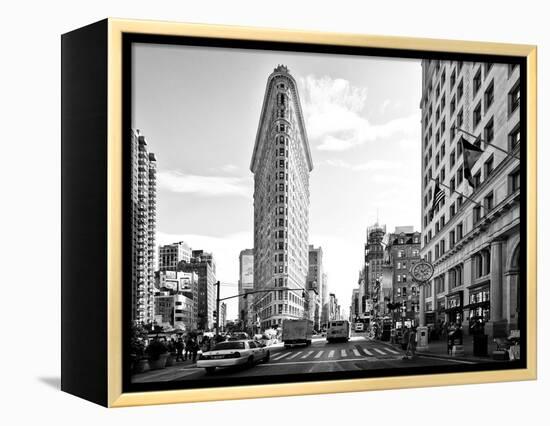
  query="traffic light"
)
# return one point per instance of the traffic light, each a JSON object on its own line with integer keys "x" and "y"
{"x": 215, "y": 314}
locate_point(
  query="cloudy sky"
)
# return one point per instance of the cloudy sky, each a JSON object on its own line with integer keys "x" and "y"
{"x": 199, "y": 110}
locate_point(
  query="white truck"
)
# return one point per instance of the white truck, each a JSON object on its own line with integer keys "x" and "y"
{"x": 297, "y": 332}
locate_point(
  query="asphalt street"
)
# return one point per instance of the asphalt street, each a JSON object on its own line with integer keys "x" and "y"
{"x": 359, "y": 353}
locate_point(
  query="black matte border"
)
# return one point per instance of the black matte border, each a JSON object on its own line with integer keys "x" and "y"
{"x": 129, "y": 38}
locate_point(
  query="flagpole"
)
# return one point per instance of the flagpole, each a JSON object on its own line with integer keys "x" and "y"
{"x": 459, "y": 193}
{"x": 485, "y": 142}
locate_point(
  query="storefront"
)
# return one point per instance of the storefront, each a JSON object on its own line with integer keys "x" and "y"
{"x": 479, "y": 306}
{"x": 455, "y": 307}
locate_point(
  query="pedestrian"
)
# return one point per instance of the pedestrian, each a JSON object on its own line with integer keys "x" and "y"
{"x": 450, "y": 338}
{"x": 411, "y": 344}
{"x": 405, "y": 338}
{"x": 194, "y": 349}
{"x": 188, "y": 348}
{"x": 179, "y": 349}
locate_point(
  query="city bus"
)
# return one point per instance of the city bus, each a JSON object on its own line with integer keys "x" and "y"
{"x": 338, "y": 330}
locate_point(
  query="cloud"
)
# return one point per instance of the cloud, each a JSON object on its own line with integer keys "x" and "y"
{"x": 333, "y": 113}
{"x": 175, "y": 181}
{"x": 384, "y": 105}
{"x": 369, "y": 165}
{"x": 229, "y": 168}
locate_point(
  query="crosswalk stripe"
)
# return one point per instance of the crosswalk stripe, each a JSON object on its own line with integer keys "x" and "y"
{"x": 308, "y": 354}
{"x": 392, "y": 351}
{"x": 331, "y": 354}
{"x": 318, "y": 355}
{"x": 343, "y": 353}
{"x": 294, "y": 355}
{"x": 275, "y": 358}
{"x": 379, "y": 351}
{"x": 367, "y": 352}
{"x": 356, "y": 352}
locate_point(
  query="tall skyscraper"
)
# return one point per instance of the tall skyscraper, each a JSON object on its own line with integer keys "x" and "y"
{"x": 171, "y": 254}
{"x": 472, "y": 233}
{"x": 143, "y": 215}
{"x": 246, "y": 283}
{"x": 281, "y": 163}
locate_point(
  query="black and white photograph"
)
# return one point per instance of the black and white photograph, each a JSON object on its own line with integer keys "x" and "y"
{"x": 298, "y": 215}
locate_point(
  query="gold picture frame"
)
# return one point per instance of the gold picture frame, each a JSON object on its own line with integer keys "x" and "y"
{"x": 115, "y": 397}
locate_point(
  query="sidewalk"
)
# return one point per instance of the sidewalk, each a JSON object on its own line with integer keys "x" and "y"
{"x": 438, "y": 349}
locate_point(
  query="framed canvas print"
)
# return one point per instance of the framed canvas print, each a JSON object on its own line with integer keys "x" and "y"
{"x": 254, "y": 212}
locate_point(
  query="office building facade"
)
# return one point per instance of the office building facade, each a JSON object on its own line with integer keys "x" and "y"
{"x": 246, "y": 284}
{"x": 171, "y": 254}
{"x": 472, "y": 235}
{"x": 202, "y": 263}
{"x": 281, "y": 164}
{"x": 403, "y": 249}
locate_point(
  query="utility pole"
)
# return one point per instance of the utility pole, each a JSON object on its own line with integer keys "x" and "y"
{"x": 218, "y": 309}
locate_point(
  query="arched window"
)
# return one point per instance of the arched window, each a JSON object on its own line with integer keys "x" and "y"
{"x": 459, "y": 275}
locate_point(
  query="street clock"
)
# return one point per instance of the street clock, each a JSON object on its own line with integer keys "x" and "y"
{"x": 422, "y": 271}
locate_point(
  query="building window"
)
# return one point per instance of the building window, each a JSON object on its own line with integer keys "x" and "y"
{"x": 452, "y": 185}
{"x": 451, "y": 239}
{"x": 459, "y": 175}
{"x": 489, "y": 166}
{"x": 488, "y": 67}
{"x": 514, "y": 138}
{"x": 489, "y": 95}
{"x": 489, "y": 131}
{"x": 477, "y": 81}
{"x": 477, "y": 115}
{"x": 452, "y": 210}
{"x": 459, "y": 119}
{"x": 452, "y": 158}
{"x": 453, "y": 78}
{"x": 460, "y": 90}
{"x": 477, "y": 179}
{"x": 453, "y": 105}
{"x": 459, "y": 232}
{"x": 514, "y": 181}
{"x": 513, "y": 99}
{"x": 476, "y": 214}
{"x": 489, "y": 202}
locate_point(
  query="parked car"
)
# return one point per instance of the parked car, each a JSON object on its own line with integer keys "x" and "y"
{"x": 232, "y": 353}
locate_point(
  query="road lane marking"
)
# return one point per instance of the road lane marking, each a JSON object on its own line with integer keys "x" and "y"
{"x": 379, "y": 351}
{"x": 278, "y": 357}
{"x": 294, "y": 355}
{"x": 343, "y": 353}
{"x": 331, "y": 354}
{"x": 321, "y": 361}
{"x": 392, "y": 351}
{"x": 319, "y": 354}
{"x": 367, "y": 352}
{"x": 356, "y": 352}
{"x": 308, "y": 354}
